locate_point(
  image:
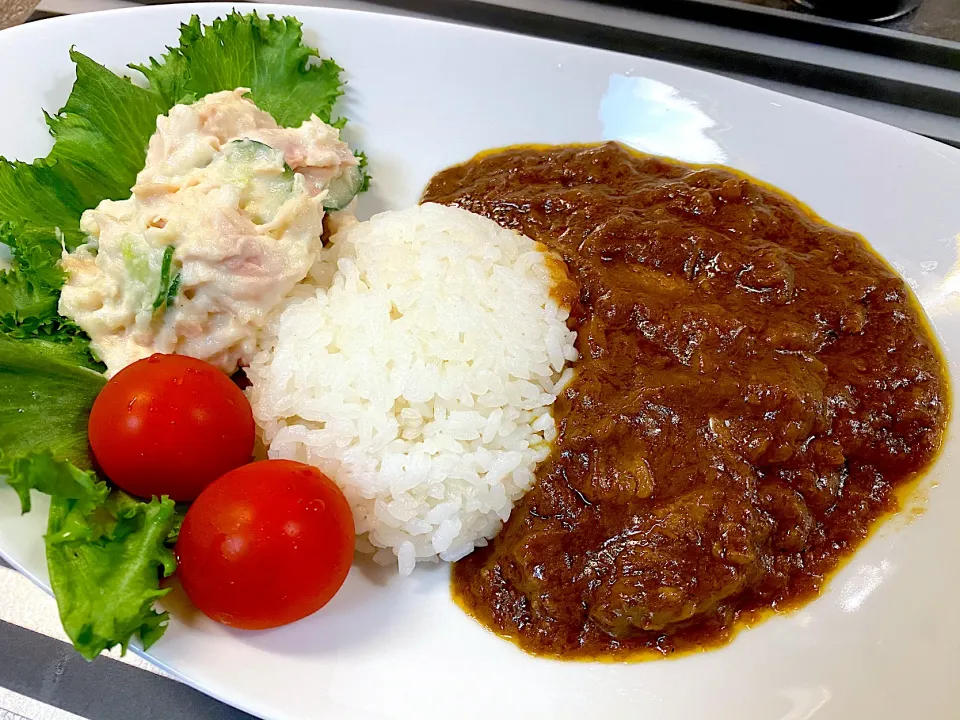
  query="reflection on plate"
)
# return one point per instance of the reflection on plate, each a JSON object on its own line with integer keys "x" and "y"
{"x": 653, "y": 117}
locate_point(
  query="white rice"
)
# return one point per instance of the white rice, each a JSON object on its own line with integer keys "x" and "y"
{"x": 420, "y": 377}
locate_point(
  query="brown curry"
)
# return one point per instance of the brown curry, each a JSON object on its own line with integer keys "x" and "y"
{"x": 753, "y": 386}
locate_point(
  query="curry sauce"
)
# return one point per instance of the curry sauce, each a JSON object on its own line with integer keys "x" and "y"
{"x": 753, "y": 386}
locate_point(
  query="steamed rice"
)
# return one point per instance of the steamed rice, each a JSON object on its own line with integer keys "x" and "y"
{"x": 419, "y": 375}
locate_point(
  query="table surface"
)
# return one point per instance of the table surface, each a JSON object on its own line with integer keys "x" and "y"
{"x": 41, "y": 677}
{"x": 934, "y": 18}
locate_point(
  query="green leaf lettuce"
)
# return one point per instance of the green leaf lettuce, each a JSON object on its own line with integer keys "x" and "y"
{"x": 104, "y": 552}
{"x": 104, "y": 566}
{"x": 266, "y": 55}
{"x": 45, "y": 401}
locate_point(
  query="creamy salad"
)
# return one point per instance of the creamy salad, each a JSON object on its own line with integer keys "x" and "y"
{"x": 224, "y": 220}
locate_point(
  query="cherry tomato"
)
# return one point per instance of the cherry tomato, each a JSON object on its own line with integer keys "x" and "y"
{"x": 265, "y": 545}
{"x": 170, "y": 425}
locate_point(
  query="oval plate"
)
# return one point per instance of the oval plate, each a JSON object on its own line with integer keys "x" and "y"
{"x": 882, "y": 642}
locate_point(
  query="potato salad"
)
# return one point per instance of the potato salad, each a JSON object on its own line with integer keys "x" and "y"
{"x": 224, "y": 219}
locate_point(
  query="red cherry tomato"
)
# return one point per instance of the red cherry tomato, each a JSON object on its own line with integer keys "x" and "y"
{"x": 266, "y": 545}
{"x": 170, "y": 425}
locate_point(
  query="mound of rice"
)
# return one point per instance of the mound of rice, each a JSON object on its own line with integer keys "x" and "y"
{"x": 419, "y": 376}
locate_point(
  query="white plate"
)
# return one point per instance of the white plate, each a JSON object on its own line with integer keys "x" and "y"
{"x": 883, "y": 641}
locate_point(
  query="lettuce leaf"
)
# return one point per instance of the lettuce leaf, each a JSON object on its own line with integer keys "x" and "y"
{"x": 180, "y": 512}
{"x": 105, "y": 553}
{"x": 30, "y": 289}
{"x": 29, "y": 293}
{"x": 266, "y": 55}
{"x": 100, "y": 142}
{"x": 105, "y": 567}
{"x": 45, "y": 400}
{"x": 39, "y": 471}
{"x": 39, "y": 199}
{"x": 101, "y": 134}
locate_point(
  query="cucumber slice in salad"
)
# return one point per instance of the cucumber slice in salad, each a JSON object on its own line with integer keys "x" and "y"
{"x": 343, "y": 188}
{"x": 265, "y": 194}
{"x": 242, "y": 153}
{"x": 267, "y": 180}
